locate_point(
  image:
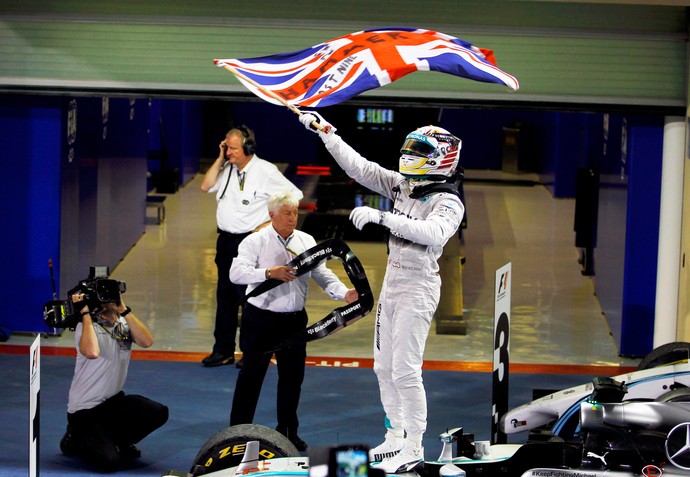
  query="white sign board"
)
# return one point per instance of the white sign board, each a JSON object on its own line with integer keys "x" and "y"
{"x": 501, "y": 351}
{"x": 34, "y": 405}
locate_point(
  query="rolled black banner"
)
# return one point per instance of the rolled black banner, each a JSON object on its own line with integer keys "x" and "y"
{"x": 342, "y": 316}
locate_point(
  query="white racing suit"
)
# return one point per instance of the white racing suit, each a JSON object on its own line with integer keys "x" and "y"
{"x": 419, "y": 228}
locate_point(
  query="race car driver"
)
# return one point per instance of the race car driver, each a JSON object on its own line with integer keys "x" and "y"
{"x": 427, "y": 211}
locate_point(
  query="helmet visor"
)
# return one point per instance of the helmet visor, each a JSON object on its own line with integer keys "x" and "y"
{"x": 419, "y": 145}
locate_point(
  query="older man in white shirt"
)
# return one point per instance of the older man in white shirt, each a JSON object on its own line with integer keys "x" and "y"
{"x": 268, "y": 319}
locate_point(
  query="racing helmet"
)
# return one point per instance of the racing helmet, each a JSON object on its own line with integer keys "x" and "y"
{"x": 430, "y": 152}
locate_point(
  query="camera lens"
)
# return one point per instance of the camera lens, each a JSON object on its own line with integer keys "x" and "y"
{"x": 107, "y": 290}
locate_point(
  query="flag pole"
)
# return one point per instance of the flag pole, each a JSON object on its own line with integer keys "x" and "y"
{"x": 291, "y": 107}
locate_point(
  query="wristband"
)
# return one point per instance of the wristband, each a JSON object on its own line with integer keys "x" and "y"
{"x": 127, "y": 311}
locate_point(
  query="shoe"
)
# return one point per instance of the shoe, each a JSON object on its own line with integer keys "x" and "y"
{"x": 299, "y": 444}
{"x": 217, "y": 359}
{"x": 239, "y": 364}
{"x": 404, "y": 461}
{"x": 68, "y": 446}
{"x": 129, "y": 451}
{"x": 388, "y": 448}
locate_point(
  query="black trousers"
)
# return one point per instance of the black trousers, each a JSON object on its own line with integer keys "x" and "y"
{"x": 262, "y": 332}
{"x": 228, "y": 295}
{"x": 119, "y": 421}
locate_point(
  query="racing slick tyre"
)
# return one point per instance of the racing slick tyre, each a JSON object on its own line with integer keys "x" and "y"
{"x": 676, "y": 395}
{"x": 670, "y": 353}
{"x": 226, "y": 448}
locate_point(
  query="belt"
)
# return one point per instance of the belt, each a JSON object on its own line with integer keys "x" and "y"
{"x": 231, "y": 235}
{"x": 282, "y": 313}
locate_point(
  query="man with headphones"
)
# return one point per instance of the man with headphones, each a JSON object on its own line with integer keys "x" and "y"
{"x": 243, "y": 182}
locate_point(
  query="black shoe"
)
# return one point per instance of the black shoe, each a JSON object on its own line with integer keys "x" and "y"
{"x": 217, "y": 359}
{"x": 299, "y": 444}
{"x": 129, "y": 451}
{"x": 240, "y": 363}
{"x": 67, "y": 444}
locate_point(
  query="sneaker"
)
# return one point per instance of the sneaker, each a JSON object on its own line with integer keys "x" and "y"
{"x": 404, "y": 461}
{"x": 68, "y": 446}
{"x": 217, "y": 359}
{"x": 388, "y": 448}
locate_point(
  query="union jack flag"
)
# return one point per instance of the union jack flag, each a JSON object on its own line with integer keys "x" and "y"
{"x": 338, "y": 69}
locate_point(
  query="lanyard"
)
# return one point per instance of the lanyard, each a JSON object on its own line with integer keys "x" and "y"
{"x": 285, "y": 244}
{"x": 116, "y": 332}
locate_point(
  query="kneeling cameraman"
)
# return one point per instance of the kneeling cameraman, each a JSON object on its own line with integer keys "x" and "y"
{"x": 104, "y": 423}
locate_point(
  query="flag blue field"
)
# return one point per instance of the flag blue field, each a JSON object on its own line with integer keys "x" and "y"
{"x": 338, "y": 69}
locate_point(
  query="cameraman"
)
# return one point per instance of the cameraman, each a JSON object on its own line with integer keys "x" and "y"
{"x": 103, "y": 422}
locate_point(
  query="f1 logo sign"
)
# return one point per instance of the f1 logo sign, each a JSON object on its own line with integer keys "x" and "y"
{"x": 501, "y": 353}
{"x": 503, "y": 282}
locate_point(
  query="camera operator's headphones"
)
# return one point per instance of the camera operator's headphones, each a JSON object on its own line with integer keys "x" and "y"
{"x": 248, "y": 143}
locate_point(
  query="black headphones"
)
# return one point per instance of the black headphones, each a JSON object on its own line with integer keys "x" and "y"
{"x": 248, "y": 144}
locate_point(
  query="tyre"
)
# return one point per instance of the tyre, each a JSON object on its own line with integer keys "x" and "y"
{"x": 676, "y": 395}
{"x": 226, "y": 448}
{"x": 670, "y": 353}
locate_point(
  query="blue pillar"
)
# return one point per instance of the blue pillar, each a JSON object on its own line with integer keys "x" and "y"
{"x": 644, "y": 161}
{"x": 30, "y": 194}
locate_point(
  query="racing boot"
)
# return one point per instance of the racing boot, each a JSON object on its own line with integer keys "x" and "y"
{"x": 389, "y": 447}
{"x": 404, "y": 461}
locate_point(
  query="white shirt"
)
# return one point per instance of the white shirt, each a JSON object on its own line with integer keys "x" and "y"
{"x": 265, "y": 249}
{"x": 242, "y": 196}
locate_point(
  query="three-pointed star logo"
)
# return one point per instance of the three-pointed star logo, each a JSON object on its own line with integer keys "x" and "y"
{"x": 678, "y": 446}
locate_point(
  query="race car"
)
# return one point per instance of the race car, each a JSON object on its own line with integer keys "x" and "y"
{"x": 629, "y": 425}
{"x": 664, "y": 375}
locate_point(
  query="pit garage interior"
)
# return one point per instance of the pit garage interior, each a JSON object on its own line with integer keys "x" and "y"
{"x": 111, "y": 112}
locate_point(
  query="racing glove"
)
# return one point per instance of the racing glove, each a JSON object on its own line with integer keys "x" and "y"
{"x": 435, "y": 230}
{"x": 326, "y": 129}
{"x": 360, "y": 216}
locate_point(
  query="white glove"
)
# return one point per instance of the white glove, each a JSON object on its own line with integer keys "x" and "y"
{"x": 325, "y": 128}
{"x": 360, "y": 216}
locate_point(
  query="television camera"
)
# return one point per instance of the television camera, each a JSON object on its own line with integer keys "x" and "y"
{"x": 97, "y": 289}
